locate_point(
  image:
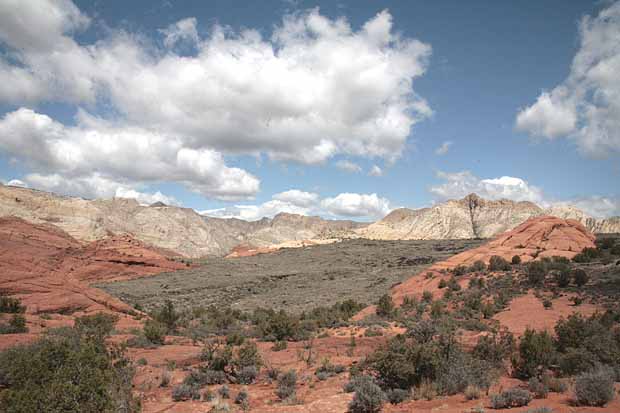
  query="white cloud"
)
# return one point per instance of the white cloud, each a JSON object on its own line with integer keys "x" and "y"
{"x": 315, "y": 89}
{"x": 297, "y": 198}
{"x": 444, "y": 148}
{"x": 586, "y": 106}
{"x": 356, "y": 205}
{"x": 375, "y": 171}
{"x": 460, "y": 184}
{"x": 17, "y": 182}
{"x": 348, "y": 166}
{"x": 181, "y": 31}
{"x": 596, "y": 206}
{"x": 144, "y": 197}
{"x": 345, "y": 205}
{"x": 96, "y": 151}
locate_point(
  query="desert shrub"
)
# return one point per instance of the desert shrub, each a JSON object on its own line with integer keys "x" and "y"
{"x": 437, "y": 309}
{"x": 397, "y": 396}
{"x": 514, "y": 397}
{"x": 184, "y": 392}
{"x": 495, "y": 347}
{"x": 580, "y": 277}
{"x": 472, "y": 392}
{"x": 516, "y": 260}
{"x": 247, "y": 374}
{"x": 595, "y": 388}
{"x": 155, "y": 332}
{"x": 216, "y": 356}
{"x": 442, "y": 283}
{"x": 555, "y": 385}
{"x": 453, "y": 284}
{"x": 287, "y": 383}
{"x": 562, "y": 278}
{"x": 247, "y": 356}
{"x": 587, "y": 255}
{"x": 547, "y": 303}
{"x": 538, "y": 388}
{"x": 224, "y": 392}
{"x": 497, "y": 263}
{"x": 235, "y": 339}
{"x": 459, "y": 270}
{"x": 278, "y": 325}
{"x": 11, "y": 305}
{"x": 536, "y": 272}
{"x": 168, "y": 316}
{"x": 354, "y": 382}
{"x": 368, "y": 398}
{"x": 478, "y": 266}
{"x": 242, "y": 397}
{"x": 99, "y": 325}
{"x": 427, "y": 296}
{"x": 385, "y": 306}
{"x": 208, "y": 395}
{"x": 142, "y": 361}
{"x": 204, "y": 377}
{"x": 423, "y": 331}
{"x": 327, "y": 369}
{"x": 426, "y": 390}
{"x": 16, "y": 325}
{"x": 67, "y": 371}
{"x": 536, "y": 353}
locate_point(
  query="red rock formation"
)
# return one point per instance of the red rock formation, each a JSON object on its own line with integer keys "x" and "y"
{"x": 51, "y": 272}
{"x": 543, "y": 236}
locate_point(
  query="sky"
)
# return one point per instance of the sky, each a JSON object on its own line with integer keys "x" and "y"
{"x": 342, "y": 109}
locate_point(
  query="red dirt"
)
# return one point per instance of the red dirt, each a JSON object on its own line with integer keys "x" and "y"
{"x": 50, "y": 272}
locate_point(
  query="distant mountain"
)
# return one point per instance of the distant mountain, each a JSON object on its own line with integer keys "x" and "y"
{"x": 188, "y": 233}
{"x": 473, "y": 217}
{"x": 181, "y": 230}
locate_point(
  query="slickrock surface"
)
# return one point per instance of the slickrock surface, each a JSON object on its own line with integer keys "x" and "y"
{"x": 50, "y": 271}
{"x": 538, "y": 237}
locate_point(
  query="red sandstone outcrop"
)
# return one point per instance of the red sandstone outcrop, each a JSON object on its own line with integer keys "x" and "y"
{"x": 50, "y": 271}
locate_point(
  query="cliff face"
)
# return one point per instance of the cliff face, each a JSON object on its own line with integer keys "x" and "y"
{"x": 181, "y": 230}
{"x": 473, "y": 217}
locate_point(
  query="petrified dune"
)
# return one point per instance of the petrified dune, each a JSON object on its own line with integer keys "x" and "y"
{"x": 50, "y": 271}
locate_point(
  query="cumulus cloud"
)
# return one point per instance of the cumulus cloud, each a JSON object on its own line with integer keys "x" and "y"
{"x": 315, "y": 89}
{"x": 74, "y": 159}
{"x": 345, "y": 205}
{"x": 460, "y": 184}
{"x": 357, "y": 205}
{"x": 375, "y": 171}
{"x": 348, "y": 166}
{"x": 444, "y": 148}
{"x": 596, "y": 206}
{"x": 181, "y": 31}
{"x": 17, "y": 182}
{"x": 297, "y": 198}
{"x": 586, "y": 106}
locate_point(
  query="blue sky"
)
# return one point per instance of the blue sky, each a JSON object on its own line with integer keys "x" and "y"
{"x": 357, "y": 108}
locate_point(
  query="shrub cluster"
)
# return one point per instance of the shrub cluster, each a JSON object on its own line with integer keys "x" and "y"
{"x": 594, "y": 388}
{"x": 514, "y": 397}
{"x": 68, "y": 369}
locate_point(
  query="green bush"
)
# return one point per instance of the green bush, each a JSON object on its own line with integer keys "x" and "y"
{"x": 385, "y": 306}
{"x": 580, "y": 277}
{"x": 368, "y": 398}
{"x": 184, "y": 392}
{"x": 538, "y": 388}
{"x": 287, "y": 383}
{"x": 168, "y": 316}
{"x": 536, "y": 353}
{"x": 355, "y": 381}
{"x": 478, "y": 266}
{"x": 397, "y": 396}
{"x": 224, "y": 392}
{"x": 459, "y": 270}
{"x": 497, "y": 263}
{"x": 536, "y": 272}
{"x": 155, "y": 332}
{"x": 11, "y": 305}
{"x": 595, "y": 388}
{"x": 516, "y": 260}
{"x": 66, "y": 371}
{"x": 442, "y": 284}
{"x": 242, "y": 397}
{"x": 247, "y": 375}
{"x": 16, "y": 325}
{"x": 514, "y": 397}
{"x": 99, "y": 325}
{"x": 562, "y": 278}
{"x": 587, "y": 255}
{"x": 495, "y": 347}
